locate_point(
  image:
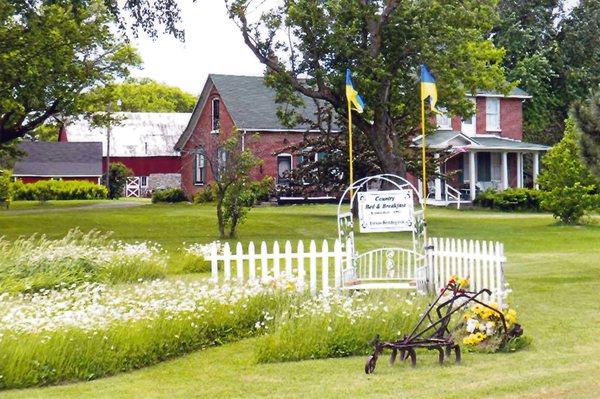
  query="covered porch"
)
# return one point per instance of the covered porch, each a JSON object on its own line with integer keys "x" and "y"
{"x": 479, "y": 163}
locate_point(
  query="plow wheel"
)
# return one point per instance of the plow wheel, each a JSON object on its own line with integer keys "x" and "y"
{"x": 413, "y": 357}
{"x": 457, "y": 353}
{"x": 393, "y": 356}
{"x": 440, "y": 355}
{"x": 370, "y": 364}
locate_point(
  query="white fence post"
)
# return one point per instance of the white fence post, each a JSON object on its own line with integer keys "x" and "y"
{"x": 276, "y": 260}
{"x": 264, "y": 262}
{"x": 214, "y": 263}
{"x": 300, "y": 254}
{"x": 251, "y": 261}
{"x": 312, "y": 256}
{"x": 288, "y": 258}
{"x": 239, "y": 253}
{"x": 226, "y": 262}
{"x": 337, "y": 265}
{"x": 325, "y": 268}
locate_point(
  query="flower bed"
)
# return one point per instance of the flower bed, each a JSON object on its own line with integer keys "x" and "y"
{"x": 34, "y": 263}
{"x": 94, "y": 330}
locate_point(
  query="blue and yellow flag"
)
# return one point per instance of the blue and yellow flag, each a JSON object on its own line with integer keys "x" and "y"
{"x": 428, "y": 88}
{"x": 352, "y": 95}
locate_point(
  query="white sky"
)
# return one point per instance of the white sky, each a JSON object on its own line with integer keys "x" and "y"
{"x": 213, "y": 45}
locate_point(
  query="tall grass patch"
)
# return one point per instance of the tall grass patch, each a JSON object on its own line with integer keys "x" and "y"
{"x": 96, "y": 330}
{"x": 338, "y": 325}
{"x": 36, "y": 262}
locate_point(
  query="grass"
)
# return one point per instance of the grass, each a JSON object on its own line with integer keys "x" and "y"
{"x": 35, "y": 262}
{"x": 553, "y": 269}
{"x": 29, "y": 205}
{"x": 90, "y": 333}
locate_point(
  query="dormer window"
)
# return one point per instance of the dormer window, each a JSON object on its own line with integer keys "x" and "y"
{"x": 443, "y": 120}
{"x": 215, "y": 115}
{"x": 492, "y": 114}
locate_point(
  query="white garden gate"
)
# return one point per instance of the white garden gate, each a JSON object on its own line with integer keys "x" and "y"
{"x": 132, "y": 187}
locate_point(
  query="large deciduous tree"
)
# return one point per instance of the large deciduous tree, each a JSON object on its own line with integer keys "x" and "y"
{"x": 587, "y": 118}
{"x": 50, "y": 53}
{"x": 307, "y": 45}
{"x": 528, "y": 32}
{"x": 143, "y": 95}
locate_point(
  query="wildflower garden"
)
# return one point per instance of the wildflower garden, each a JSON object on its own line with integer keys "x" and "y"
{"x": 86, "y": 307}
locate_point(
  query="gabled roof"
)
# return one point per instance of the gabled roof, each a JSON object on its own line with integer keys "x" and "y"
{"x": 250, "y": 104}
{"x": 514, "y": 93}
{"x": 60, "y": 159}
{"x": 139, "y": 134}
{"x": 446, "y": 138}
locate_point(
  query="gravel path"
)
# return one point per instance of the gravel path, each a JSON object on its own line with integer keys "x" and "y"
{"x": 102, "y": 205}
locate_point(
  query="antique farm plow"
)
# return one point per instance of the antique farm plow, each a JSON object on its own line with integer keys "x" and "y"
{"x": 432, "y": 331}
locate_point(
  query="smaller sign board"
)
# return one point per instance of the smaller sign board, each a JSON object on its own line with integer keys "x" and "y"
{"x": 382, "y": 211}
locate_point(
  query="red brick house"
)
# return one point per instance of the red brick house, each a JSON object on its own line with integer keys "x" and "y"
{"x": 142, "y": 141}
{"x": 487, "y": 149}
{"x": 246, "y": 103}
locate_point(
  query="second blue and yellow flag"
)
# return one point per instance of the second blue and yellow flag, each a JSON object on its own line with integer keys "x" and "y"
{"x": 352, "y": 95}
{"x": 428, "y": 87}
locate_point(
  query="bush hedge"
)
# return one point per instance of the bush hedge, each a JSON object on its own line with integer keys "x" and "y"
{"x": 169, "y": 195}
{"x": 45, "y": 190}
{"x": 5, "y": 188}
{"x": 512, "y": 199}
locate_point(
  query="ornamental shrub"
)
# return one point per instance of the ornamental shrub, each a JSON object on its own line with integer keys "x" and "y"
{"x": 169, "y": 195}
{"x": 205, "y": 194}
{"x": 569, "y": 188}
{"x": 6, "y": 188}
{"x": 512, "y": 199}
{"x": 45, "y": 190}
{"x": 117, "y": 179}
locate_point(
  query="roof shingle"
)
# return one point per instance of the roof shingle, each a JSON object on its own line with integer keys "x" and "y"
{"x": 59, "y": 159}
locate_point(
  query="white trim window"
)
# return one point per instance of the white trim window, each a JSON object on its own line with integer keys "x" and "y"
{"x": 469, "y": 125}
{"x": 492, "y": 114}
{"x": 284, "y": 166}
{"x": 199, "y": 168}
{"x": 443, "y": 120}
{"x": 215, "y": 111}
{"x": 466, "y": 169}
{"x": 143, "y": 181}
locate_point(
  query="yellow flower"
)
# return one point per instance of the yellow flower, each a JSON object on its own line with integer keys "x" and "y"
{"x": 464, "y": 283}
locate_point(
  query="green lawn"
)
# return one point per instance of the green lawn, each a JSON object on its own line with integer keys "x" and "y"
{"x": 554, "y": 271}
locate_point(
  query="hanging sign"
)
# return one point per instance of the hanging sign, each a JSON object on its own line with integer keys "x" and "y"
{"x": 381, "y": 211}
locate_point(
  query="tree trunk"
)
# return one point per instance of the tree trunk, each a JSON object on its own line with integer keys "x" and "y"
{"x": 388, "y": 149}
{"x": 220, "y": 198}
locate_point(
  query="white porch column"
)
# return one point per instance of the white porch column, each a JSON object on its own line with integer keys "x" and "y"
{"x": 519, "y": 169}
{"x": 420, "y": 187}
{"x": 472, "y": 175}
{"x": 536, "y": 169}
{"x": 438, "y": 181}
{"x": 504, "y": 170}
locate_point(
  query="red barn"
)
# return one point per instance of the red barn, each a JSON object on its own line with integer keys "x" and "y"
{"x": 59, "y": 161}
{"x": 142, "y": 141}
{"x": 487, "y": 148}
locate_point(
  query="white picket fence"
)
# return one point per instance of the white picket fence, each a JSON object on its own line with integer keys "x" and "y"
{"x": 482, "y": 262}
{"x": 320, "y": 269}
{"x": 272, "y": 262}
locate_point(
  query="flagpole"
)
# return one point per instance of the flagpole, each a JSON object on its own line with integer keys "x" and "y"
{"x": 350, "y": 150}
{"x": 423, "y": 156}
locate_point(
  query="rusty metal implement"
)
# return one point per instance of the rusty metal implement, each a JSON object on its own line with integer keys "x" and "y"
{"x": 432, "y": 330}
